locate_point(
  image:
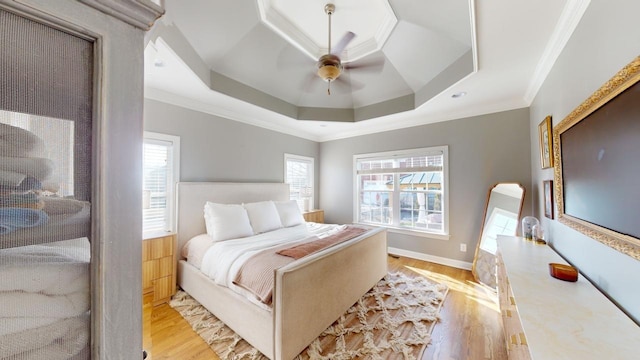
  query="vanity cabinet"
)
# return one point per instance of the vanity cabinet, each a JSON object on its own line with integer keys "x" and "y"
{"x": 546, "y": 318}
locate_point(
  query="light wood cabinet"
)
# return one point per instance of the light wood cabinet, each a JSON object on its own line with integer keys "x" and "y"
{"x": 316, "y": 216}
{"x": 159, "y": 268}
{"x": 561, "y": 320}
{"x": 515, "y": 339}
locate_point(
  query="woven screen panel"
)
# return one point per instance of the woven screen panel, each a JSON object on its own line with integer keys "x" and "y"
{"x": 46, "y": 81}
{"x": 49, "y": 72}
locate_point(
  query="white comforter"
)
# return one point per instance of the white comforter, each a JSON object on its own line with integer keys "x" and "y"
{"x": 224, "y": 259}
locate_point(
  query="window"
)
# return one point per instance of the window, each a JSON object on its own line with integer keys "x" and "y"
{"x": 405, "y": 190}
{"x": 161, "y": 166}
{"x": 298, "y": 173}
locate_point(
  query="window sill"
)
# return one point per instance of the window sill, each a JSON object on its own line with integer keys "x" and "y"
{"x": 430, "y": 235}
{"x": 156, "y": 234}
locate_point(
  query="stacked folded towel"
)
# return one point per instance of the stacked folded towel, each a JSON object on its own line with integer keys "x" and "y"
{"x": 44, "y": 292}
{"x": 44, "y": 289}
{"x": 21, "y": 174}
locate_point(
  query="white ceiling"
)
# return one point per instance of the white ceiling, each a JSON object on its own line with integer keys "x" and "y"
{"x": 220, "y": 57}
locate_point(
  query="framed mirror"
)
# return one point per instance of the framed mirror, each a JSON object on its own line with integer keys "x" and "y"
{"x": 501, "y": 217}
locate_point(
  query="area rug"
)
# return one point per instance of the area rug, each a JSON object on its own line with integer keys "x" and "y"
{"x": 392, "y": 321}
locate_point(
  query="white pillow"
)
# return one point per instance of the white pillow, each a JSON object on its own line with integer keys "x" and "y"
{"x": 195, "y": 249}
{"x": 263, "y": 216}
{"x": 289, "y": 213}
{"x": 226, "y": 222}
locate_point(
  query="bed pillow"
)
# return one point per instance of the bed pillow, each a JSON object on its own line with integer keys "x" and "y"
{"x": 263, "y": 216}
{"x": 195, "y": 248}
{"x": 289, "y": 213}
{"x": 226, "y": 221}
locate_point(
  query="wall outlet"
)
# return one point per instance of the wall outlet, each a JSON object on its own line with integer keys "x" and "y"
{"x": 463, "y": 247}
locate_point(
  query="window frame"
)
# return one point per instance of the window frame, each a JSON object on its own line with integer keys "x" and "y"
{"x": 171, "y": 187}
{"x": 310, "y": 177}
{"x": 444, "y": 149}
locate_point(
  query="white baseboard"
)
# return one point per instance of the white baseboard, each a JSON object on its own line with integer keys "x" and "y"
{"x": 431, "y": 258}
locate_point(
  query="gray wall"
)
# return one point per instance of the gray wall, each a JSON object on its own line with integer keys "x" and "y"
{"x": 217, "y": 149}
{"x": 606, "y": 39}
{"x": 483, "y": 150}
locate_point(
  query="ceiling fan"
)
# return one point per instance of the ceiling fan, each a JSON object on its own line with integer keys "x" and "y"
{"x": 330, "y": 66}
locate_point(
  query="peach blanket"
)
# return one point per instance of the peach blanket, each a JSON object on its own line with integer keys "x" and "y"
{"x": 256, "y": 274}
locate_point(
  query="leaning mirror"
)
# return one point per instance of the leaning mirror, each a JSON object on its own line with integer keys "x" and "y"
{"x": 501, "y": 217}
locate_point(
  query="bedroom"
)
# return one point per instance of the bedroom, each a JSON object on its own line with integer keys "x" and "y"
{"x": 480, "y": 145}
{"x": 486, "y": 147}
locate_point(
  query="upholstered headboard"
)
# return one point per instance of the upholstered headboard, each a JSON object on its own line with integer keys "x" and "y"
{"x": 192, "y": 196}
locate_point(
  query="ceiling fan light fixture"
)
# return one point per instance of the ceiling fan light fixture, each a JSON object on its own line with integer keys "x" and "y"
{"x": 328, "y": 72}
{"x": 329, "y": 67}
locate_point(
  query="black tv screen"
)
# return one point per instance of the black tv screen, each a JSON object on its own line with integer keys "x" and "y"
{"x": 601, "y": 165}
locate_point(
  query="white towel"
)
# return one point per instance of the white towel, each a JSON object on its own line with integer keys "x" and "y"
{"x": 51, "y": 269}
{"x": 38, "y": 168}
{"x": 10, "y": 178}
{"x": 18, "y": 324}
{"x": 17, "y": 304}
{"x": 61, "y": 340}
{"x": 15, "y": 141}
{"x": 56, "y": 205}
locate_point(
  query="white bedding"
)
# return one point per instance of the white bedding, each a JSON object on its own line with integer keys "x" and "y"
{"x": 223, "y": 259}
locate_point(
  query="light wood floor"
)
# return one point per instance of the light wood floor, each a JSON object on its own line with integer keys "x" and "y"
{"x": 469, "y": 328}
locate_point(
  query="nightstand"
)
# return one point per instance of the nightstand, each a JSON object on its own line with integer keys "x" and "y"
{"x": 159, "y": 268}
{"x": 316, "y": 216}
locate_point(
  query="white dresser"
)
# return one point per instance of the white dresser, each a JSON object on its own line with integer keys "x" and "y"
{"x": 546, "y": 318}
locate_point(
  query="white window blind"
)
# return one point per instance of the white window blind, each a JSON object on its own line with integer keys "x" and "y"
{"x": 299, "y": 176}
{"x": 160, "y": 166}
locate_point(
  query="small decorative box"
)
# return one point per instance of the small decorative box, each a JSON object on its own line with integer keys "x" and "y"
{"x": 563, "y": 272}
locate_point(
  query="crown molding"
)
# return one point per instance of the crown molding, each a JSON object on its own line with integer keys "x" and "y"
{"x": 139, "y": 13}
{"x": 569, "y": 19}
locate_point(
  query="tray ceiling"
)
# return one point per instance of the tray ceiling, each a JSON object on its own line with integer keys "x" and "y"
{"x": 246, "y": 58}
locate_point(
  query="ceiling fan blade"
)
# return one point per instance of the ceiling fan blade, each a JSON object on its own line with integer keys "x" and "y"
{"x": 311, "y": 83}
{"x": 342, "y": 44}
{"x": 348, "y": 84}
{"x": 372, "y": 65}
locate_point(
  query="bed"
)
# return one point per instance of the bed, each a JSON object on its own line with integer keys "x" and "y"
{"x": 309, "y": 294}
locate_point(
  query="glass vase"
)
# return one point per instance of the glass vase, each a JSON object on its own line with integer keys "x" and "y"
{"x": 527, "y": 227}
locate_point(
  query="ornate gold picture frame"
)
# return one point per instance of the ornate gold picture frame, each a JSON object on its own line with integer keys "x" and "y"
{"x": 608, "y": 235}
{"x": 546, "y": 146}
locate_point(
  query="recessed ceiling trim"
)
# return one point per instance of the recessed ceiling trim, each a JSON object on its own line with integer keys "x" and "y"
{"x": 384, "y": 108}
{"x": 460, "y": 69}
{"x": 227, "y": 112}
{"x": 325, "y": 114}
{"x": 283, "y": 27}
{"x": 238, "y": 90}
{"x": 280, "y": 23}
{"x": 474, "y": 33}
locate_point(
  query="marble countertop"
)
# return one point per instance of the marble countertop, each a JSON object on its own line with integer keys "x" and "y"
{"x": 564, "y": 320}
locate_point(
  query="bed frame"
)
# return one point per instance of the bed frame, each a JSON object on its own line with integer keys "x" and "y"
{"x": 309, "y": 294}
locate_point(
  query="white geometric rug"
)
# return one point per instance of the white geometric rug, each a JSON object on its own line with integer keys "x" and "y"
{"x": 392, "y": 321}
